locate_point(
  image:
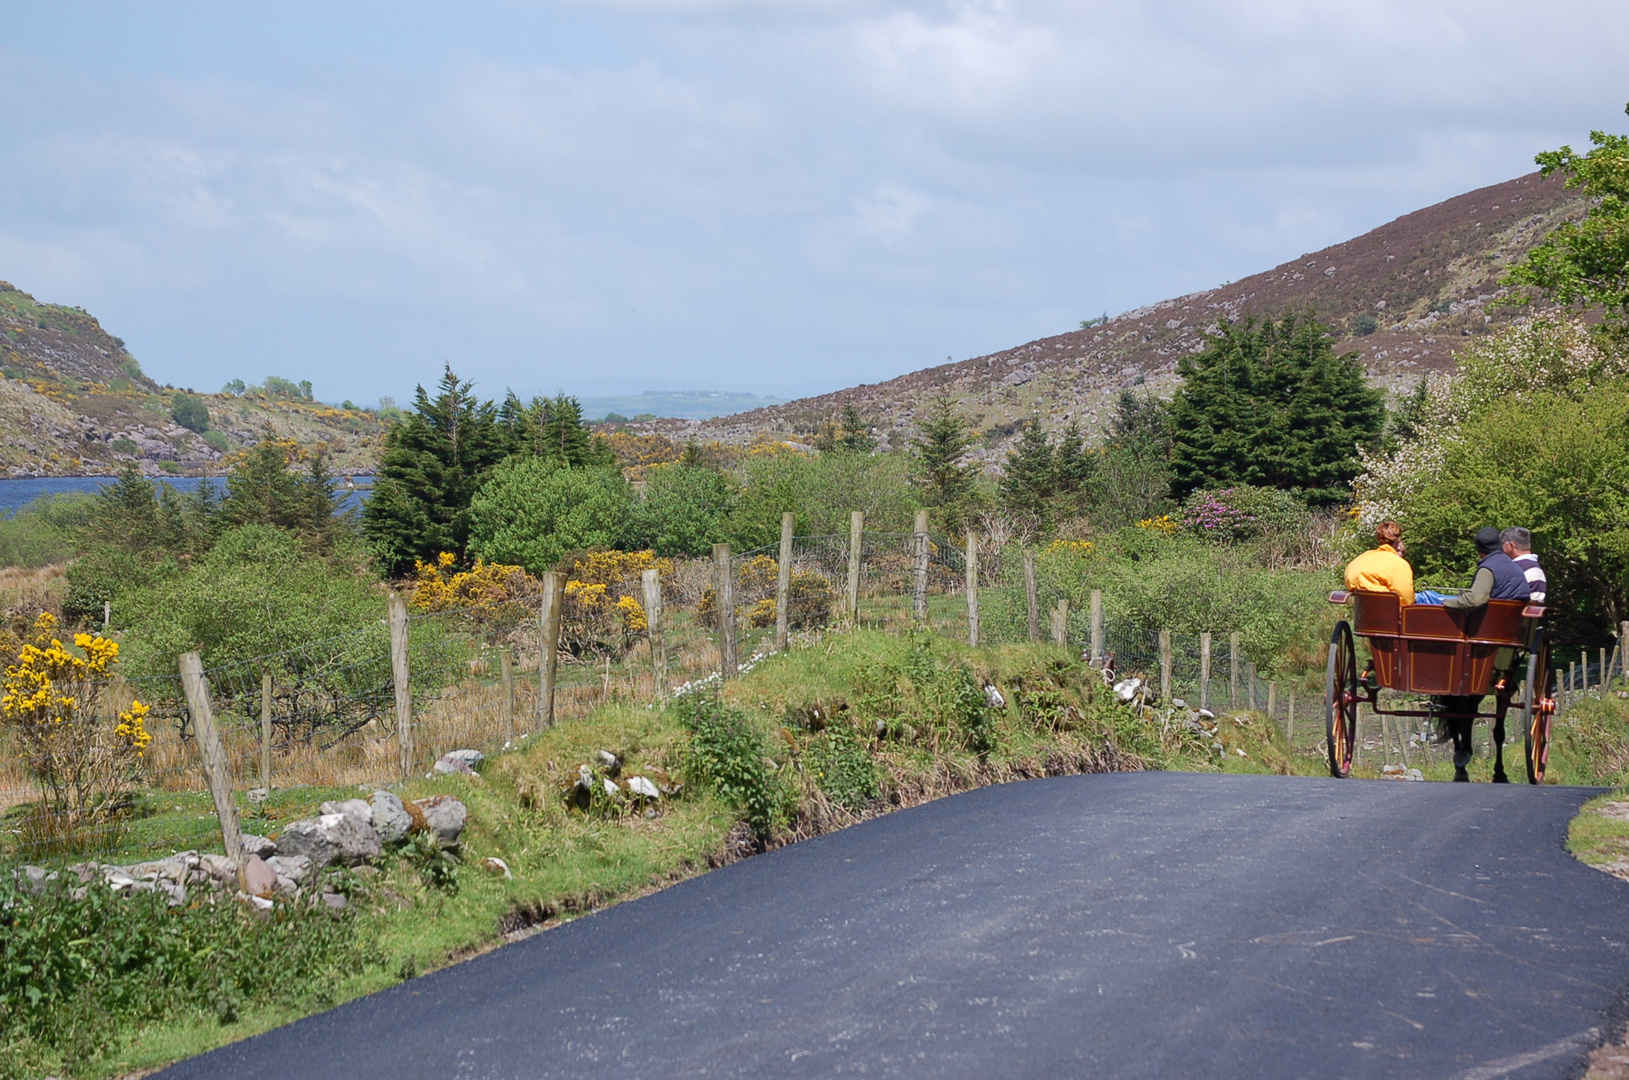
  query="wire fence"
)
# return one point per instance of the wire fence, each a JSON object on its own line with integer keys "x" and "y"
{"x": 488, "y": 675}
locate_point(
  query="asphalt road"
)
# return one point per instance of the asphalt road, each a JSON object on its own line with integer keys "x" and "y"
{"x": 1136, "y": 925}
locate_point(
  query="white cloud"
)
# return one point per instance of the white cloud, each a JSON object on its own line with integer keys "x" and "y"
{"x": 749, "y": 193}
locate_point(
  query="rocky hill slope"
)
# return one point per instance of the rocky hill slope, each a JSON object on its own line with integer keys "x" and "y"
{"x": 1402, "y": 296}
{"x": 74, "y": 402}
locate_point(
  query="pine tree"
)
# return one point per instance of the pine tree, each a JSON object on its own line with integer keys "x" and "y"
{"x": 434, "y": 460}
{"x": 1131, "y": 475}
{"x": 1030, "y": 479}
{"x": 1270, "y": 404}
{"x": 856, "y": 435}
{"x": 943, "y": 478}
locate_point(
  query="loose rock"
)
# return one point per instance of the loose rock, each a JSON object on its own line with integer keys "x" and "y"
{"x": 351, "y": 808}
{"x": 332, "y": 838}
{"x": 390, "y": 819}
{"x": 444, "y": 816}
{"x": 459, "y": 761}
{"x": 259, "y": 879}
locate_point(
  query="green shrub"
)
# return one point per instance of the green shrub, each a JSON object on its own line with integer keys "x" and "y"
{"x": 43, "y": 531}
{"x": 531, "y": 511}
{"x": 190, "y": 412}
{"x": 258, "y": 591}
{"x": 1364, "y": 324}
{"x": 841, "y": 764}
{"x": 80, "y": 975}
{"x": 727, "y": 754}
{"x": 821, "y": 491}
{"x": 217, "y": 441}
{"x": 685, "y": 511}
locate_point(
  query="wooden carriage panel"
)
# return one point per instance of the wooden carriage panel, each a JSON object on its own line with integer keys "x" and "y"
{"x": 1376, "y": 613}
{"x": 1433, "y": 621}
{"x": 1387, "y": 654}
{"x": 1433, "y": 666}
{"x": 1501, "y": 623}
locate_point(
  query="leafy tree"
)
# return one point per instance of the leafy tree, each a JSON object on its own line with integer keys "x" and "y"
{"x": 857, "y": 436}
{"x": 190, "y": 412}
{"x": 533, "y": 510}
{"x": 1554, "y": 462}
{"x": 257, "y": 591}
{"x": 434, "y": 460}
{"x": 1587, "y": 263}
{"x": 685, "y": 510}
{"x": 1029, "y": 482}
{"x": 1270, "y": 404}
{"x": 821, "y": 491}
{"x": 943, "y": 477}
{"x": 1405, "y": 421}
{"x": 236, "y": 386}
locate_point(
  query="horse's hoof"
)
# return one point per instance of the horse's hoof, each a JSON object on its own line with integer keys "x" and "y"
{"x": 1461, "y": 776}
{"x": 1500, "y": 778}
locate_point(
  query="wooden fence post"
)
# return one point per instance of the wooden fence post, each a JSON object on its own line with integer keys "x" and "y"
{"x": 265, "y": 730}
{"x": 1030, "y": 597}
{"x": 724, "y": 603}
{"x": 651, "y": 581}
{"x": 1233, "y": 670}
{"x": 972, "y": 588}
{"x": 1603, "y": 671}
{"x": 1097, "y": 627}
{"x": 548, "y": 646}
{"x": 1165, "y": 667}
{"x": 1623, "y": 645}
{"x": 1250, "y": 676}
{"x": 401, "y": 682}
{"x": 919, "y": 587}
{"x": 1272, "y": 699}
{"x": 507, "y": 666}
{"x": 856, "y": 537}
{"x": 1289, "y": 720}
{"x": 1204, "y": 670}
{"x": 783, "y": 584}
{"x": 214, "y": 755}
{"x": 1060, "y": 622}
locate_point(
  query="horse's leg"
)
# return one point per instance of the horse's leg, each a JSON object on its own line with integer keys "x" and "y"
{"x": 1499, "y": 776}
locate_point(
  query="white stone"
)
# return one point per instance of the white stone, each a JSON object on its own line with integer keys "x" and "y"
{"x": 993, "y": 697}
{"x": 639, "y": 785}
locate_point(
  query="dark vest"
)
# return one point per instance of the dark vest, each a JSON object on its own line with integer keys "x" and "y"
{"x": 1509, "y": 582}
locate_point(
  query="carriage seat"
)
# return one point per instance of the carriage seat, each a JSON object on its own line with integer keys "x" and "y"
{"x": 1427, "y": 648}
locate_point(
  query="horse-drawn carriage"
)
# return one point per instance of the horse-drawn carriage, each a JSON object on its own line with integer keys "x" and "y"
{"x": 1440, "y": 653}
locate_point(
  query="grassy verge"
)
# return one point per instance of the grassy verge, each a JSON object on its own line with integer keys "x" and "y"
{"x": 849, "y": 727}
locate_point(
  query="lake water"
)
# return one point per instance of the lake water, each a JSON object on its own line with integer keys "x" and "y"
{"x": 19, "y": 492}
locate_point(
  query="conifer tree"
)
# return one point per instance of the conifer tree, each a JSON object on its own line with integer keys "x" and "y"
{"x": 433, "y": 462}
{"x": 1271, "y": 404}
{"x": 942, "y": 476}
{"x": 1029, "y": 482}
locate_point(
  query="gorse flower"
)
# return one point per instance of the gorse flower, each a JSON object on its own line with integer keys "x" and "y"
{"x": 50, "y": 699}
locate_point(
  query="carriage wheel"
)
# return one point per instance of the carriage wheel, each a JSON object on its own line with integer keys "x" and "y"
{"x": 1537, "y": 708}
{"x": 1341, "y": 700}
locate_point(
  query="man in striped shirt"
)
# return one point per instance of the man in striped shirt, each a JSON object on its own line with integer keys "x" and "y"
{"x": 1517, "y": 543}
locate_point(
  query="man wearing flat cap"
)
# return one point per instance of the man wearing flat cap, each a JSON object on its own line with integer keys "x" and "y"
{"x": 1497, "y": 575}
{"x": 1497, "y": 578}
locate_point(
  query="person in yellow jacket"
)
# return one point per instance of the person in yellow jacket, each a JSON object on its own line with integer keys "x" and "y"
{"x": 1383, "y": 569}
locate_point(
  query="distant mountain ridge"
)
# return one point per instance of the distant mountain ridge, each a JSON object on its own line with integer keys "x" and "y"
{"x": 1426, "y": 280}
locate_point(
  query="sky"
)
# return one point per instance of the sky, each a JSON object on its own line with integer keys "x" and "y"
{"x": 774, "y": 196}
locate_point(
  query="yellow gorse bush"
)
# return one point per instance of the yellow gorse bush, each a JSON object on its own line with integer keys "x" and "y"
{"x": 1163, "y": 524}
{"x": 1083, "y": 548}
{"x": 85, "y": 756}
